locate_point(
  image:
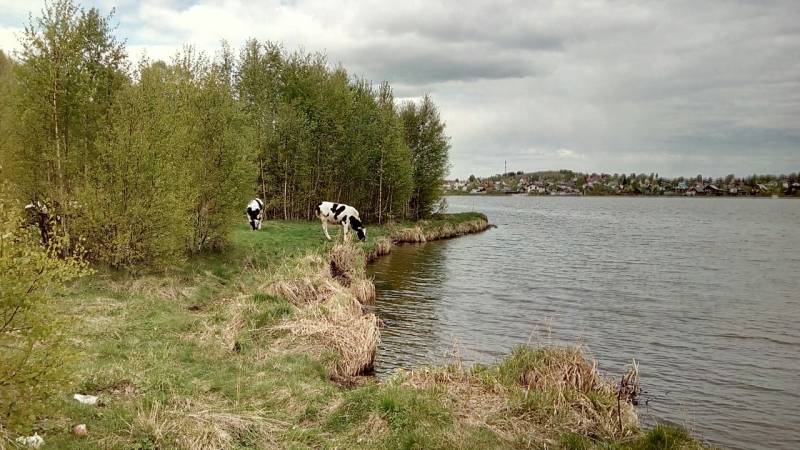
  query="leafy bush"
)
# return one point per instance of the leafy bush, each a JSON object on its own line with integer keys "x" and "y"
{"x": 30, "y": 336}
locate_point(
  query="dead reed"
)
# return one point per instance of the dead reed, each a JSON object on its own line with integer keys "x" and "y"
{"x": 346, "y": 262}
{"x": 425, "y": 231}
{"x": 363, "y": 290}
{"x": 382, "y": 246}
{"x": 340, "y": 323}
{"x": 329, "y": 292}
{"x": 538, "y": 392}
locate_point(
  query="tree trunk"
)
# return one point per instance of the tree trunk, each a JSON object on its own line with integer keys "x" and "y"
{"x": 380, "y": 190}
{"x": 261, "y": 176}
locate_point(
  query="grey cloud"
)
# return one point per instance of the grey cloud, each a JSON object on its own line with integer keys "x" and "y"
{"x": 407, "y": 63}
{"x": 675, "y": 87}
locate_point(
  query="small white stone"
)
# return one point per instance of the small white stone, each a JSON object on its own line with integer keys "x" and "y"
{"x": 34, "y": 441}
{"x": 86, "y": 399}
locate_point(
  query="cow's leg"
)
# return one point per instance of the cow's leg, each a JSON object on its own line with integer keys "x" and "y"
{"x": 345, "y": 236}
{"x": 325, "y": 228}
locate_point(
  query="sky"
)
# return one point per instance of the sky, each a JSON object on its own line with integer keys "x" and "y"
{"x": 673, "y": 87}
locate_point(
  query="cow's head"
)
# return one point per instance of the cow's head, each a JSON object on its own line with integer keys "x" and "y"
{"x": 356, "y": 225}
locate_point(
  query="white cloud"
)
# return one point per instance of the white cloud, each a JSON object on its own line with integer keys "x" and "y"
{"x": 9, "y": 38}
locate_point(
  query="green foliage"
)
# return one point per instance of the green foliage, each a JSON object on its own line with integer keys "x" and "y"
{"x": 664, "y": 437}
{"x": 321, "y": 135}
{"x": 31, "y": 335}
{"x": 71, "y": 67}
{"x": 424, "y": 135}
{"x": 132, "y": 209}
{"x": 148, "y": 166}
{"x": 216, "y": 156}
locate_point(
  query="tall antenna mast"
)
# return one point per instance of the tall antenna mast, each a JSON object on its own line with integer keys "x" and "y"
{"x": 505, "y": 167}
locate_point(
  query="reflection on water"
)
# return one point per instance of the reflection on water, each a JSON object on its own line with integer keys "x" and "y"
{"x": 703, "y": 293}
{"x": 408, "y": 281}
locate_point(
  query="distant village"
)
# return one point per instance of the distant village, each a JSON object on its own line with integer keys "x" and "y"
{"x": 567, "y": 182}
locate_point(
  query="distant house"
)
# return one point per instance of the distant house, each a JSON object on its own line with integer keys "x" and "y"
{"x": 713, "y": 190}
{"x": 697, "y": 190}
{"x": 792, "y": 189}
{"x": 760, "y": 189}
{"x": 536, "y": 188}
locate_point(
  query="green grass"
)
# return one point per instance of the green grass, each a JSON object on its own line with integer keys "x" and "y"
{"x": 176, "y": 355}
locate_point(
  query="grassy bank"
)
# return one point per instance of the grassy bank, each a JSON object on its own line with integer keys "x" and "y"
{"x": 267, "y": 345}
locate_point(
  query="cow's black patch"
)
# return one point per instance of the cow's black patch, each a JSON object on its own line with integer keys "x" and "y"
{"x": 337, "y": 209}
{"x": 344, "y": 218}
{"x": 253, "y": 214}
{"x": 355, "y": 223}
{"x": 361, "y": 234}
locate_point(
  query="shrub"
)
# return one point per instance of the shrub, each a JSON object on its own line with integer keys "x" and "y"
{"x": 30, "y": 336}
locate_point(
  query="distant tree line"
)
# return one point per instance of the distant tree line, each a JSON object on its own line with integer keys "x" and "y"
{"x": 142, "y": 163}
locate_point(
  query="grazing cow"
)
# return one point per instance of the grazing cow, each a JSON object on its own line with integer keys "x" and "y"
{"x": 255, "y": 213}
{"x": 338, "y": 214}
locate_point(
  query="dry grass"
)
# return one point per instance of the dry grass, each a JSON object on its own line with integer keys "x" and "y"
{"x": 346, "y": 262}
{"x": 413, "y": 234}
{"x": 382, "y": 246}
{"x": 303, "y": 281}
{"x": 537, "y": 394}
{"x": 329, "y": 292}
{"x": 222, "y": 335}
{"x": 192, "y": 424}
{"x": 425, "y": 231}
{"x": 151, "y": 286}
{"x": 340, "y": 323}
{"x": 363, "y": 290}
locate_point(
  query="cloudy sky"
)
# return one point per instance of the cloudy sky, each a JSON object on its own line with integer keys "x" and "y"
{"x": 675, "y": 87}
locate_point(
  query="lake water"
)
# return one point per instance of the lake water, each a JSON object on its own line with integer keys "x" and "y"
{"x": 703, "y": 293}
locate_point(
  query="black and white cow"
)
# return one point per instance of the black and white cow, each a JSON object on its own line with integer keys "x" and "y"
{"x": 339, "y": 214}
{"x": 255, "y": 213}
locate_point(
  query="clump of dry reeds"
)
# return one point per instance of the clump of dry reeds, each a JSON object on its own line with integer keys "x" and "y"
{"x": 364, "y": 290}
{"x": 564, "y": 390}
{"x": 540, "y": 392}
{"x": 410, "y": 235}
{"x": 340, "y": 322}
{"x": 329, "y": 292}
{"x": 425, "y": 231}
{"x": 382, "y": 246}
{"x": 346, "y": 263}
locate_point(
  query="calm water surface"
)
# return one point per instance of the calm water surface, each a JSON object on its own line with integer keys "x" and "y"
{"x": 703, "y": 293}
